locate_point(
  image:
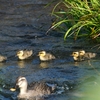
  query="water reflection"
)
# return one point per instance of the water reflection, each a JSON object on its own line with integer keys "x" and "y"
{"x": 21, "y": 64}
{"x": 2, "y": 64}
{"x": 24, "y": 63}
{"x": 44, "y": 64}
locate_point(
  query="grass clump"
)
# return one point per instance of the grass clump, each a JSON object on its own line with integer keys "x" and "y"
{"x": 78, "y": 18}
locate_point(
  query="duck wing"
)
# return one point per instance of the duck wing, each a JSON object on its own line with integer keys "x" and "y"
{"x": 41, "y": 88}
{"x": 50, "y": 56}
{"x": 27, "y": 53}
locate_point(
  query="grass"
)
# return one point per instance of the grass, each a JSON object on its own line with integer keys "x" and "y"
{"x": 78, "y": 19}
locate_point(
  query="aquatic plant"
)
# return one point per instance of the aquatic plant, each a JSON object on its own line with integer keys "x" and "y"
{"x": 78, "y": 18}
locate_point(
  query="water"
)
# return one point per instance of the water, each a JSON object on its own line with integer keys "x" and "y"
{"x": 22, "y": 26}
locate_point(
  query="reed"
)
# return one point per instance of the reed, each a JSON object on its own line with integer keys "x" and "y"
{"x": 78, "y": 18}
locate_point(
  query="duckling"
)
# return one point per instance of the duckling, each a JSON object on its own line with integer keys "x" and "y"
{"x": 82, "y": 52}
{"x": 45, "y": 56}
{"x": 3, "y": 58}
{"x": 36, "y": 89}
{"x": 24, "y": 54}
{"x": 75, "y": 56}
{"x": 82, "y": 55}
{"x": 86, "y": 55}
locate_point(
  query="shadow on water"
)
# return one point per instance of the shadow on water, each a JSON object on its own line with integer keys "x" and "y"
{"x": 19, "y": 31}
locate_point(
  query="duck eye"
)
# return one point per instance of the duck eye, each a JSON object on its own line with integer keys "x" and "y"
{"x": 17, "y": 52}
{"x": 21, "y": 80}
{"x": 40, "y": 53}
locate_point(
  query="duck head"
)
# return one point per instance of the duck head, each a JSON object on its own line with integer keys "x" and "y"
{"x": 20, "y": 53}
{"x": 75, "y": 55}
{"x": 42, "y": 53}
{"x": 82, "y": 52}
{"x": 22, "y": 84}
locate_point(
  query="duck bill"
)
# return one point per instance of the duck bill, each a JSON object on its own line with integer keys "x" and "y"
{"x": 12, "y": 89}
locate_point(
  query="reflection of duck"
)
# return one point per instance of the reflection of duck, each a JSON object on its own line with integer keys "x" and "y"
{"x": 24, "y": 54}
{"x": 3, "y": 58}
{"x": 82, "y": 55}
{"x": 21, "y": 64}
{"x": 44, "y": 64}
{"x": 36, "y": 89}
{"x": 45, "y": 56}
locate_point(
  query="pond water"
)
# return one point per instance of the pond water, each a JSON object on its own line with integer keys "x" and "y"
{"x": 18, "y": 31}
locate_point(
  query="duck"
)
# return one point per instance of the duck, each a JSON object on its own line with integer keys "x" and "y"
{"x": 24, "y": 54}
{"x": 3, "y": 58}
{"x": 82, "y": 55}
{"x": 75, "y": 56}
{"x": 38, "y": 89}
{"x": 44, "y": 56}
{"x": 87, "y": 55}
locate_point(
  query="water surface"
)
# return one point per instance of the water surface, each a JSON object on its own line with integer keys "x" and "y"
{"x": 22, "y": 26}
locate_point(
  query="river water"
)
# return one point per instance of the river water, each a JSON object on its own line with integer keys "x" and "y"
{"x": 22, "y": 26}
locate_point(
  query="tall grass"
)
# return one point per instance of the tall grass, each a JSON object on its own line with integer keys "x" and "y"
{"x": 78, "y": 18}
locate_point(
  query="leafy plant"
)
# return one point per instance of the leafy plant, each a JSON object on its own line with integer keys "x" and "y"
{"x": 78, "y": 18}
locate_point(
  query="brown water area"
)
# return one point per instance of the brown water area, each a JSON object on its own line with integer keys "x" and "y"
{"x": 23, "y": 24}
